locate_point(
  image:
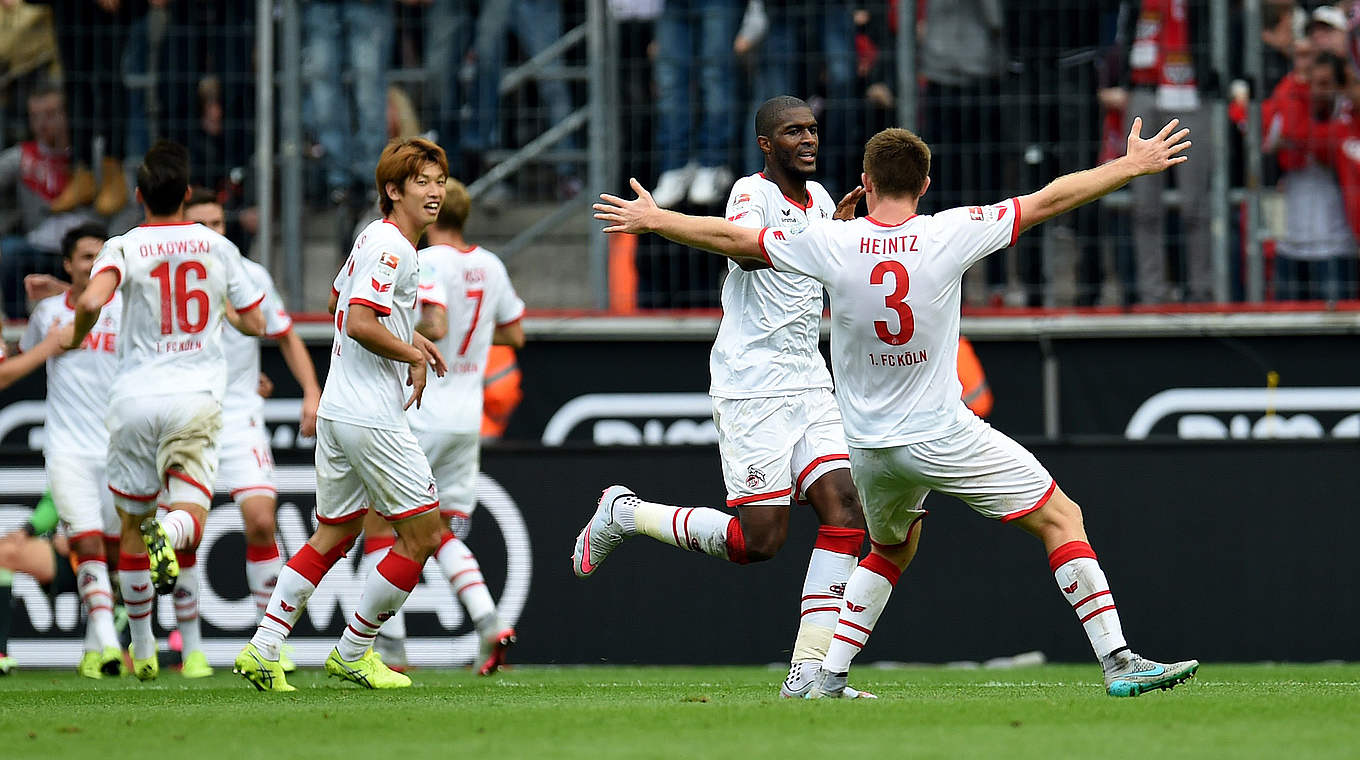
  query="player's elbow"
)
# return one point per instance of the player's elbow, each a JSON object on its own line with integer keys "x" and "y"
{"x": 435, "y": 331}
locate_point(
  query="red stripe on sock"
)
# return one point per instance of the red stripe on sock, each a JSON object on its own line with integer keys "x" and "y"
{"x": 1106, "y": 608}
{"x": 280, "y": 622}
{"x": 402, "y": 572}
{"x": 262, "y": 553}
{"x": 187, "y": 619}
{"x": 136, "y": 602}
{"x": 133, "y": 561}
{"x": 1068, "y": 552}
{"x": 474, "y": 584}
{"x": 83, "y": 558}
{"x": 1089, "y": 598}
{"x": 99, "y": 607}
{"x": 139, "y": 616}
{"x": 877, "y": 563}
{"x": 820, "y": 596}
{"x": 309, "y": 563}
{"x": 840, "y": 540}
{"x": 675, "y": 528}
{"x": 378, "y": 543}
{"x": 186, "y": 558}
{"x": 454, "y": 577}
{"x": 361, "y": 635}
{"x": 686, "y": 526}
{"x": 360, "y": 618}
{"x": 856, "y": 644}
{"x": 819, "y": 609}
{"x": 736, "y": 542}
{"x": 860, "y": 628}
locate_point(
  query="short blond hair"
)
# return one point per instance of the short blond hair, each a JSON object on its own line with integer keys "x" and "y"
{"x": 897, "y": 162}
{"x": 457, "y": 203}
{"x": 403, "y": 159}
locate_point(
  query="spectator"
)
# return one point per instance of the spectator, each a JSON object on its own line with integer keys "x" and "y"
{"x": 28, "y": 56}
{"x": 90, "y": 39}
{"x": 38, "y": 170}
{"x": 1163, "y": 56}
{"x": 347, "y": 38}
{"x": 536, "y": 24}
{"x": 962, "y": 59}
{"x": 637, "y": 102}
{"x": 695, "y": 35}
{"x": 1328, "y": 32}
{"x": 1316, "y": 242}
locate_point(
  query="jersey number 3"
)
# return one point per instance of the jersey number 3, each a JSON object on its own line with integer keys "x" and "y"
{"x": 906, "y": 324}
{"x": 181, "y": 294}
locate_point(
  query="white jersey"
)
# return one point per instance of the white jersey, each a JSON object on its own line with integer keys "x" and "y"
{"x": 174, "y": 279}
{"x": 78, "y": 381}
{"x": 895, "y": 294}
{"x": 771, "y": 323}
{"x": 475, "y": 289}
{"x": 243, "y": 402}
{"x": 383, "y": 274}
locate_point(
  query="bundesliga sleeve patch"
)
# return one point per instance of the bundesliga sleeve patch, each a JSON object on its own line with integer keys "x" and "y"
{"x": 389, "y": 260}
{"x": 987, "y": 213}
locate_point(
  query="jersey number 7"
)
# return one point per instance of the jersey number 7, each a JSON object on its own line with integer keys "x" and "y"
{"x": 181, "y": 295}
{"x": 906, "y": 323}
{"x": 476, "y": 297}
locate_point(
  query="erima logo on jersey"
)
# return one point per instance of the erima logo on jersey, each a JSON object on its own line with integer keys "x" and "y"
{"x": 735, "y": 217}
{"x": 779, "y": 235}
{"x": 1071, "y": 589}
{"x": 381, "y": 287}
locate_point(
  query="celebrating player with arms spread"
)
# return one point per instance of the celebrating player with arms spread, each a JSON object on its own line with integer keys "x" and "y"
{"x": 366, "y": 456}
{"x": 779, "y": 431}
{"x": 894, "y": 279}
{"x": 165, "y": 403}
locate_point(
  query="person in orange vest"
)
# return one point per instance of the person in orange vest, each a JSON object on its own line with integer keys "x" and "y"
{"x": 977, "y": 395}
{"x": 501, "y": 393}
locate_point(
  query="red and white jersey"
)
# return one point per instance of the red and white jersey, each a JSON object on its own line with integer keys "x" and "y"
{"x": 243, "y": 401}
{"x": 78, "y": 381}
{"x": 174, "y": 279}
{"x": 476, "y": 290}
{"x": 771, "y": 323}
{"x": 895, "y": 293}
{"x": 383, "y": 274}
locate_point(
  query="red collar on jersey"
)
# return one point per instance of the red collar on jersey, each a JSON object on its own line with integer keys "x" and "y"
{"x": 885, "y": 224}
{"x": 803, "y": 206}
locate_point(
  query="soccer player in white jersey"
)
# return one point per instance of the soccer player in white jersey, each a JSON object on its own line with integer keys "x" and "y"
{"x": 779, "y": 431}
{"x": 366, "y": 456}
{"x": 894, "y": 279}
{"x": 77, "y": 442}
{"x": 177, "y": 279}
{"x": 246, "y": 468}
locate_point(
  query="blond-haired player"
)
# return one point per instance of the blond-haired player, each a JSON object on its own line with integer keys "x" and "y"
{"x": 894, "y": 278}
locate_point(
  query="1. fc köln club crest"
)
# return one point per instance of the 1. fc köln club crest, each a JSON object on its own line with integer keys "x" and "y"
{"x": 754, "y": 477}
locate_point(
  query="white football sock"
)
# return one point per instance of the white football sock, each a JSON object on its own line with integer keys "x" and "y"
{"x": 263, "y": 565}
{"x": 186, "y": 603}
{"x": 385, "y": 591}
{"x": 464, "y": 574}
{"x": 866, "y": 594}
{"x": 92, "y": 581}
{"x": 180, "y": 528}
{"x": 698, "y": 529}
{"x": 297, "y": 581}
{"x": 134, "y": 577}
{"x": 833, "y": 558}
{"x": 1084, "y": 586}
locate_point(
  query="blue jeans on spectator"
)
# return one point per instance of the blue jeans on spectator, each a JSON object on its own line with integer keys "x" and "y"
{"x": 347, "y": 37}
{"x": 1314, "y": 279}
{"x": 448, "y": 35}
{"x": 696, "y": 34}
{"x": 537, "y": 24}
{"x": 787, "y": 48}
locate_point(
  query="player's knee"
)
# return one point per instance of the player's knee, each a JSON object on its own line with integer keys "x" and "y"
{"x": 847, "y": 512}
{"x": 764, "y": 544}
{"x": 259, "y": 529}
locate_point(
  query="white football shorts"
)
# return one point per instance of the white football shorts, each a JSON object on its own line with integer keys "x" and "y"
{"x": 80, "y": 490}
{"x": 155, "y": 438}
{"x": 359, "y": 467}
{"x": 455, "y": 459}
{"x": 777, "y": 446}
{"x": 978, "y": 464}
{"x": 247, "y": 462}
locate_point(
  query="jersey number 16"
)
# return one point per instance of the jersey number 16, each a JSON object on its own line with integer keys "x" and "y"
{"x": 181, "y": 294}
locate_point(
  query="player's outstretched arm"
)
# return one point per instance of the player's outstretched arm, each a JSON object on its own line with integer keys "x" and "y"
{"x": 250, "y": 322}
{"x": 17, "y": 367}
{"x": 1155, "y": 154}
{"x": 711, "y": 233}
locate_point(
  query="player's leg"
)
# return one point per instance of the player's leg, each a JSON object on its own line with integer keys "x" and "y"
{"x": 340, "y": 503}
{"x": 398, "y": 481}
{"x": 378, "y": 540}
{"x": 1057, "y": 522}
{"x": 893, "y": 512}
{"x": 186, "y": 429}
{"x": 755, "y": 441}
{"x": 80, "y": 493}
{"x": 822, "y": 464}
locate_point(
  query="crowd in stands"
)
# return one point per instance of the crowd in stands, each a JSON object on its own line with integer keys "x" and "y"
{"x": 1008, "y": 97}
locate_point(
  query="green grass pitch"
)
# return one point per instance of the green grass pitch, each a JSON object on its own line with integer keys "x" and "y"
{"x": 1050, "y": 712}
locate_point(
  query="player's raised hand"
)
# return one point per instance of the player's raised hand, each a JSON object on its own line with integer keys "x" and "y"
{"x": 1159, "y": 152}
{"x": 63, "y": 336}
{"x": 627, "y": 216}
{"x": 845, "y": 210}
